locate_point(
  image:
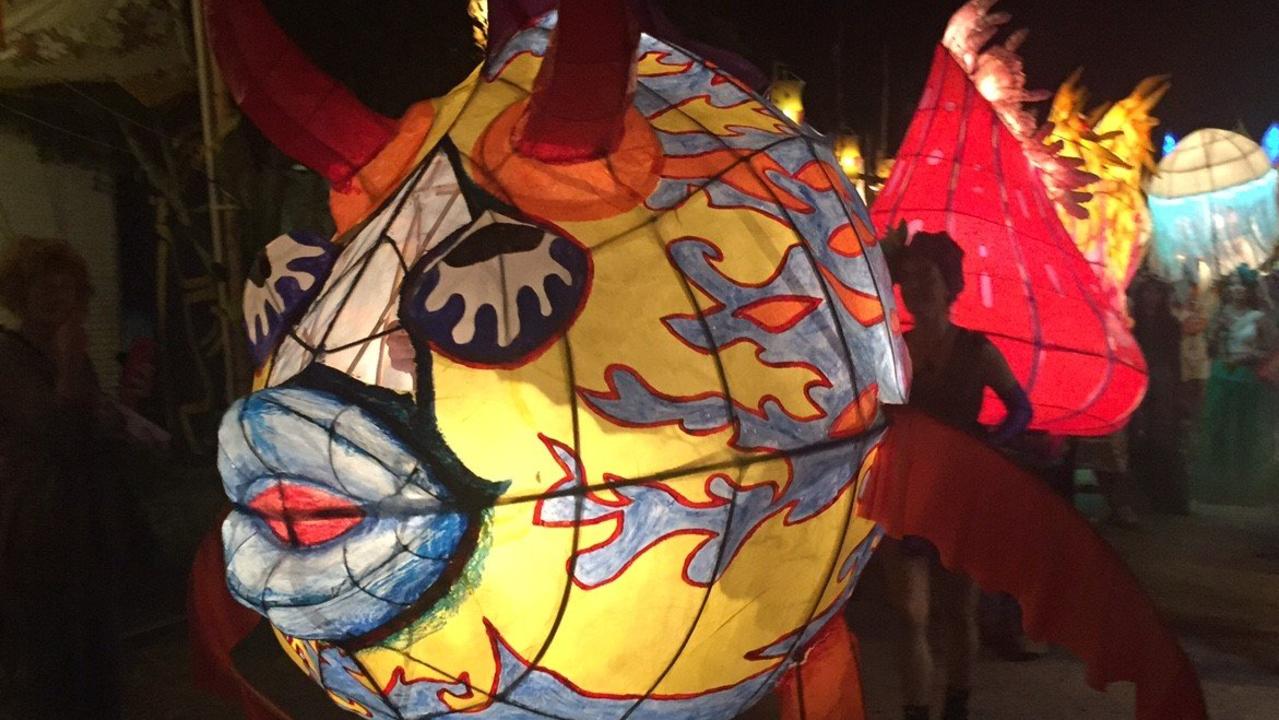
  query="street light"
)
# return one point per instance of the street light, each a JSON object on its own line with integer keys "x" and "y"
{"x": 848, "y": 152}
{"x": 787, "y": 93}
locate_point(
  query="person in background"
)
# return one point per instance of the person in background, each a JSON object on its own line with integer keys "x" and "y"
{"x": 1196, "y": 365}
{"x": 1155, "y": 432}
{"x": 1236, "y": 456}
{"x": 57, "y": 633}
{"x": 952, "y": 369}
{"x": 1108, "y": 459}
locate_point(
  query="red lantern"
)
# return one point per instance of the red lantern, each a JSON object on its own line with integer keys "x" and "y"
{"x": 962, "y": 171}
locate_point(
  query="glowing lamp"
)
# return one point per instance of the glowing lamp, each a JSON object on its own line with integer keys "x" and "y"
{"x": 600, "y": 347}
{"x": 1213, "y": 201}
{"x": 848, "y": 151}
{"x": 1113, "y": 143}
{"x": 1170, "y": 143}
{"x": 884, "y": 168}
{"x": 787, "y": 94}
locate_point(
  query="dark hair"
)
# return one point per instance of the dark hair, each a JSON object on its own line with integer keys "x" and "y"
{"x": 1250, "y": 281}
{"x": 943, "y": 252}
{"x": 1147, "y": 284}
{"x": 27, "y": 258}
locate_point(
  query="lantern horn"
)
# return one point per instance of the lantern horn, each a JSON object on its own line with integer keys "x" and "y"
{"x": 304, "y": 112}
{"x": 584, "y": 87}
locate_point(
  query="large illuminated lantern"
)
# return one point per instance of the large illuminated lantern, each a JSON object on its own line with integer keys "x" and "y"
{"x": 1214, "y": 204}
{"x": 974, "y": 164}
{"x": 571, "y": 417}
{"x": 1114, "y": 142}
{"x": 580, "y": 414}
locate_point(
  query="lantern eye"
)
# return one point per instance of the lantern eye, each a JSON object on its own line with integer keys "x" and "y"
{"x": 493, "y": 241}
{"x": 284, "y": 279}
{"x": 504, "y": 290}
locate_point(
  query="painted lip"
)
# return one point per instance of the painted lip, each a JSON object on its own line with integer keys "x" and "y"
{"x": 304, "y": 515}
{"x": 341, "y": 530}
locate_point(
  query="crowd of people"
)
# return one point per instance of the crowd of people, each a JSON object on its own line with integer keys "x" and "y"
{"x": 1206, "y": 431}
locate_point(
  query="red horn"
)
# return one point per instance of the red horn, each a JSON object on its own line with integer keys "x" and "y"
{"x": 305, "y": 113}
{"x": 584, "y": 87}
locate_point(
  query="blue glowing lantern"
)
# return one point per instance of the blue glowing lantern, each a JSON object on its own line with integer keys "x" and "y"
{"x": 1170, "y": 143}
{"x": 1214, "y": 204}
{"x": 1270, "y": 143}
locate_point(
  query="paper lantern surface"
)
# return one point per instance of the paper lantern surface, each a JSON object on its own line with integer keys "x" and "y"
{"x": 574, "y": 440}
{"x": 1206, "y": 161}
{"x": 962, "y": 171}
{"x": 1213, "y": 203}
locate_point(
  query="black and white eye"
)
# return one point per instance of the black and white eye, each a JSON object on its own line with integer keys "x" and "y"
{"x": 502, "y": 292}
{"x": 283, "y": 280}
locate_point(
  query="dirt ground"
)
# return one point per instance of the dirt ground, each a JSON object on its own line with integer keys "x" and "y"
{"x": 1214, "y": 574}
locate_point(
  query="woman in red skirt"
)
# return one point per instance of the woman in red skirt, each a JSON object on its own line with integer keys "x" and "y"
{"x": 952, "y": 369}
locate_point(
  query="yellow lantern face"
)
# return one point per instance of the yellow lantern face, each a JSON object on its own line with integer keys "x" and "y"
{"x": 568, "y": 440}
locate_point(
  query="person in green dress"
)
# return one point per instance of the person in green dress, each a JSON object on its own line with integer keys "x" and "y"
{"x": 1236, "y": 463}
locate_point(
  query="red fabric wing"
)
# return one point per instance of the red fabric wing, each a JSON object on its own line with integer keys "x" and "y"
{"x": 1004, "y": 528}
{"x": 960, "y": 170}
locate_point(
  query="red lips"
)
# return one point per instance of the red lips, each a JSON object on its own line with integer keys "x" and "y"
{"x": 305, "y": 515}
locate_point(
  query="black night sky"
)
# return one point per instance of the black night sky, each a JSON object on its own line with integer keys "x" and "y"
{"x": 1223, "y": 55}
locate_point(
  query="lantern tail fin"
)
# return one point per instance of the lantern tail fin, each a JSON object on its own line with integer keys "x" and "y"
{"x": 1007, "y": 530}
{"x": 826, "y": 684}
{"x": 307, "y": 114}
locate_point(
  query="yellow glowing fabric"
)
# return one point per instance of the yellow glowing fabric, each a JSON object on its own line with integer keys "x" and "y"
{"x": 666, "y": 366}
{"x": 1114, "y": 143}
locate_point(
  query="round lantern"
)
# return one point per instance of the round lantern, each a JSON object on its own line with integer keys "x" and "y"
{"x": 578, "y": 416}
{"x": 599, "y": 349}
{"x": 1213, "y": 202}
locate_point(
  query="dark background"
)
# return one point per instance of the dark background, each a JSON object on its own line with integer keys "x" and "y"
{"x": 1222, "y": 55}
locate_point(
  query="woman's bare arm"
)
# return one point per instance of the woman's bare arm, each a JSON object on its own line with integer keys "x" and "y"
{"x": 999, "y": 377}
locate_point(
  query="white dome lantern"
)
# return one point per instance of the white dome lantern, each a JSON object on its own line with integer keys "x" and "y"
{"x": 1213, "y": 202}
{"x": 1206, "y": 161}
